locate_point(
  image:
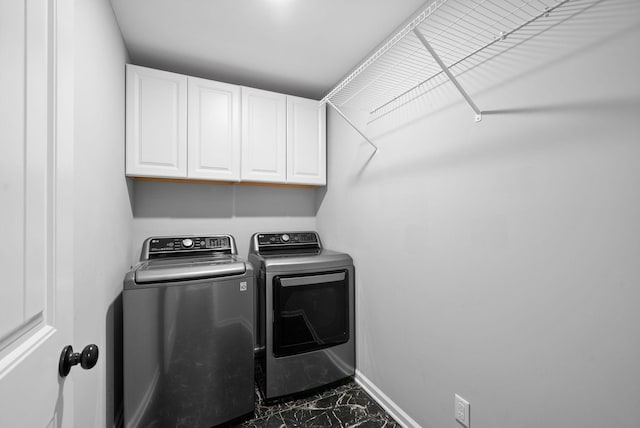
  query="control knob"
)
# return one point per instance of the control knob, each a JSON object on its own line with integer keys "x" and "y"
{"x": 285, "y": 238}
{"x": 187, "y": 243}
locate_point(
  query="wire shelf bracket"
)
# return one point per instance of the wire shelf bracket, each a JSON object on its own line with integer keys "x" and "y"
{"x": 353, "y": 125}
{"x": 450, "y": 75}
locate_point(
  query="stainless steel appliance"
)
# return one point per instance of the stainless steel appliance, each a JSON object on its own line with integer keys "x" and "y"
{"x": 188, "y": 334}
{"x": 305, "y": 312}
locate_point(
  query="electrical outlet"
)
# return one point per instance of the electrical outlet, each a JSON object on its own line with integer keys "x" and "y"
{"x": 461, "y": 409}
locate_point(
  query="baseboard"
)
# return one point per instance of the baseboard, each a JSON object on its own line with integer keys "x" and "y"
{"x": 385, "y": 402}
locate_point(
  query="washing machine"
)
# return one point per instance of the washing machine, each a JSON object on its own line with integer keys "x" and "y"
{"x": 304, "y": 313}
{"x": 188, "y": 319}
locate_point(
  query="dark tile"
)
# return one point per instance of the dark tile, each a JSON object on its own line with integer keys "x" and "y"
{"x": 271, "y": 421}
{"x": 345, "y": 406}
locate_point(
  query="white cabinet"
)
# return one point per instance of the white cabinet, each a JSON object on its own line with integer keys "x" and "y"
{"x": 264, "y": 137}
{"x": 283, "y": 138}
{"x": 190, "y": 128}
{"x": 181, "y": 127}
{"x": 306, "y": 141}
{"x": 156, "y": 123}
{"x": 214, "y": 130}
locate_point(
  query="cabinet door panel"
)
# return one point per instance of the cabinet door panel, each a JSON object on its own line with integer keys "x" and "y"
{"x": 306, "y": 141}
{"x": 214, "y": 130}
{"x": 263, "y": 136}
{"x": 156, "y": 123}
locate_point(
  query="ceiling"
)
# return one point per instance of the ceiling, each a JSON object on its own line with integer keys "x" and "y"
{"x": 298, "y": 47}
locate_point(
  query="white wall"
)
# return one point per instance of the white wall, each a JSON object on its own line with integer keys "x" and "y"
{"x": 103, "y": 210}
{"x": 163, "y": 208}
{"x": 499, "y": 260}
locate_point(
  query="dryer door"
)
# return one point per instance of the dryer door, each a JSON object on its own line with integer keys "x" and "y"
{"x": 310, "y": 312}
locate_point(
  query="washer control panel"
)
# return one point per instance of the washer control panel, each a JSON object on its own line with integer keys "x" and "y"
{"x": 286, "y": 239}
{"x": 170, "y": 246}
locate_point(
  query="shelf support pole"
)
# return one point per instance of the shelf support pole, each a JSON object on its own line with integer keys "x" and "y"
{"x": 353, "y": 125}
{"x": 446, "y": 71}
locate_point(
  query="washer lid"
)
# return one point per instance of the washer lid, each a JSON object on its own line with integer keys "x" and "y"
{"x": 164, "y": 270}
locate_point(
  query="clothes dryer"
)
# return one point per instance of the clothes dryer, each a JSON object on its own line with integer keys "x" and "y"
{"x": 305, "y": 312}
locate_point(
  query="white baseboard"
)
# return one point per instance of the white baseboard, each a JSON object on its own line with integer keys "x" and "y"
{"x": 385, "y": 402}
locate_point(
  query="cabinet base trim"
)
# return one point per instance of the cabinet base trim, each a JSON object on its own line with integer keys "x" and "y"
{"x": 236, "y": 183}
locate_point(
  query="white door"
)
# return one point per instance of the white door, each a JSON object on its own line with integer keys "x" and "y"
{"x": 264, "y": 137}
{"x": 36, "y": 167}
{"x": 214, "y": 130}
{"x": 156, "y": 123}
{"x": 306, "y": 141}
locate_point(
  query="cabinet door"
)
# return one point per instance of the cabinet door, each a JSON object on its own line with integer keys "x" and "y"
{"x": 214, "y": 130}
{"x": 306, "y": 141}
{"x": 156, "y": 123}
{"x": 263, "y": 136}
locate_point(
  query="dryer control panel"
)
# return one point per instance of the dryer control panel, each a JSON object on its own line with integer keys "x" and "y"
{"x": 285, "y": 240}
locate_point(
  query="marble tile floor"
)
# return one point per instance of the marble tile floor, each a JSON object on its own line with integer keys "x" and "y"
{"x": 344, "y": 406}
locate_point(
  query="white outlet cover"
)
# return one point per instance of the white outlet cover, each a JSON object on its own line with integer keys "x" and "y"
{"x": 461, "y": 411}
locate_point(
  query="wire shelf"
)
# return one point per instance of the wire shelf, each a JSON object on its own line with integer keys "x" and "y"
{"x": 447, "y": 33}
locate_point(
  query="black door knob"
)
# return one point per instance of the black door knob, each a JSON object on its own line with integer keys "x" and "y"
{"x": 87, "y": 359}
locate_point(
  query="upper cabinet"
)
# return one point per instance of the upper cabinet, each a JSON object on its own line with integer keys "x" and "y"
{"x": 306, "y": 141}
{"x": 156, "y": 126}
{"x": 181, "y": 127}
{"x": 264, "y": 136}
{"x": 185, "y": 127}
{"x": 214, "y": 130}
{"x": 283, "y": 138}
